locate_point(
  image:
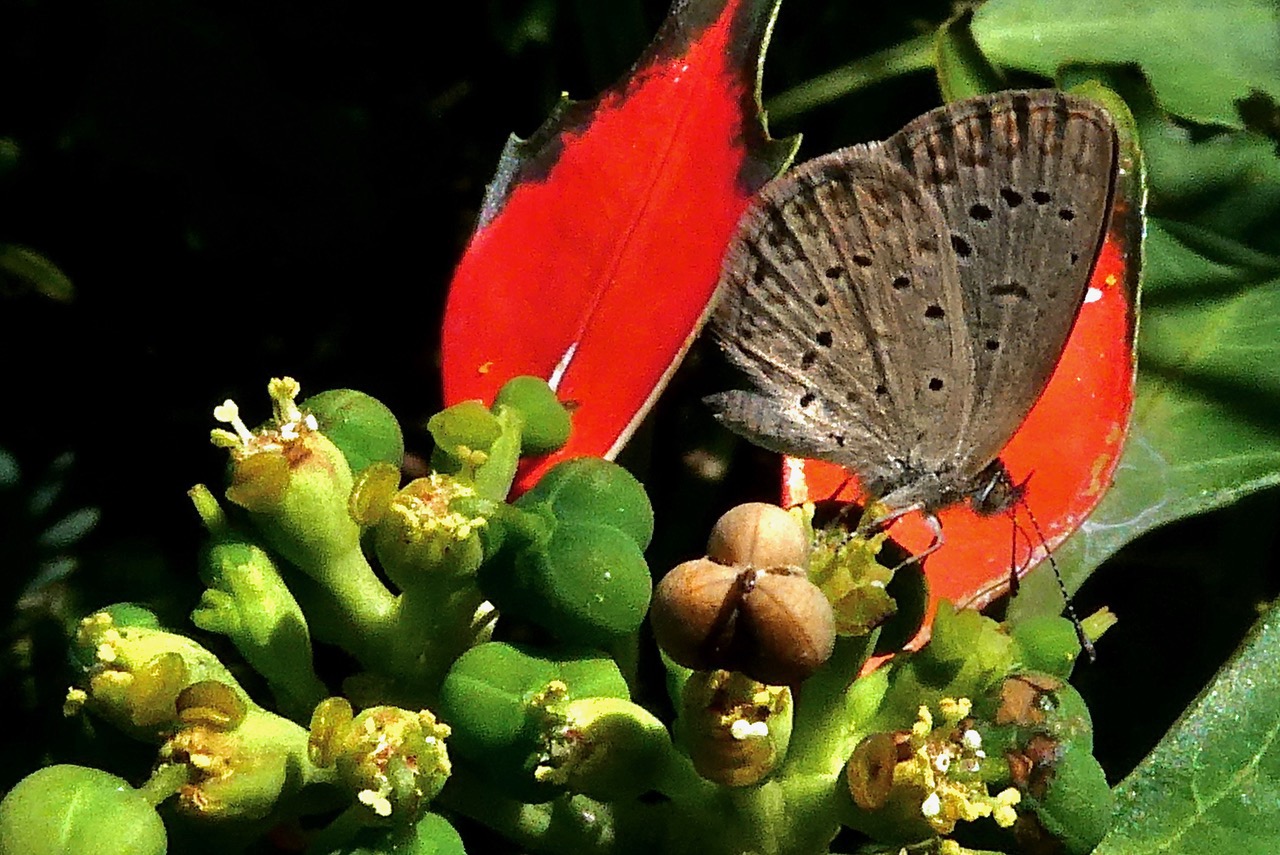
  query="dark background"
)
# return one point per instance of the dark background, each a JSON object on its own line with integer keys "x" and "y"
{"x": 244, "y": 190}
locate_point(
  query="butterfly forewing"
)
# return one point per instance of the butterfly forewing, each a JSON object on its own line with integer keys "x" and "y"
{"x": 1024, "y": 181}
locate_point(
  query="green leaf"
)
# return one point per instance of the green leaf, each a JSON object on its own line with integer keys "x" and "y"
{"x": 1200, "y": 57}
{"x": 963, "y": 71}
{"x": 1213, "y": 782}
{"x": 22, "y": 269}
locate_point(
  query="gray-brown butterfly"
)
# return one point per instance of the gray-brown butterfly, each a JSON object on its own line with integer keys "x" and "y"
{"x": 898, "y": 307}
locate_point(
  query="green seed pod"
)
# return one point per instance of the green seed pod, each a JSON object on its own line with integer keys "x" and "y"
{"x": 588, "y": 584}
{"x": 546, "y": 420}
{"x": 588, "y": 489}
{"x": 1076, "y": 805}
{"x": 509, "y": 710}
{"x": 74, "y": 810}
{"x": 431, "y": 835}
{"x": 362, "y": 427}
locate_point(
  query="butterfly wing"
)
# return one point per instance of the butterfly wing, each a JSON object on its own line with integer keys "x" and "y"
{"x": 1024, "y": 182}
{"x": 843, "y": 309}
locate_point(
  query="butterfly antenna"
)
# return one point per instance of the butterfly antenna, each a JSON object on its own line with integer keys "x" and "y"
{"x": 1085, "y": 644}
{"x": 1014, "y": 531}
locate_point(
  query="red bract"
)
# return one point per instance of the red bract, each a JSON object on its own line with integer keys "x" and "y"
{"x": 599, "y": 244}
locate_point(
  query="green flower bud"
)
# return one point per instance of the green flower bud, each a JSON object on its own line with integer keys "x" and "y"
{"x": 135, "y": 674}
{"x": 248, "y": 601}
{"x": 423, "y": 534}
{"x": 393, "y": 761}
{"x": 546, "y": 420}
{"x": 293, "y": 480}
{"x": 74, "y": 810}
{"x": 738, "y": 730}
{"x": 361, "y": 426}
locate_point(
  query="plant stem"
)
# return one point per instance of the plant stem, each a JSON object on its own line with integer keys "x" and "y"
{"x": 913, "y": 55}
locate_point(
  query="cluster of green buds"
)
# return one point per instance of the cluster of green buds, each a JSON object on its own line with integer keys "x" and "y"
{"x": 763, "y": 638}
{"x": 997, "y": 733}
{"x": 223, "y": 754}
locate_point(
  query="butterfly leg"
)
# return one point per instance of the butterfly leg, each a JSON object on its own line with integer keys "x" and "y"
{"x": 935, "y": 528}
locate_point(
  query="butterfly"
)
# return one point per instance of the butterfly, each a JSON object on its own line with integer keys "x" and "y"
{"x": 897, "y": 307}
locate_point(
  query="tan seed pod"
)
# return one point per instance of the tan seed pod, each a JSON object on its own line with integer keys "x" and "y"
{"x": 694, "y": 611}
{"x": 760, "y": 535}
{"x": 772, "y": 625}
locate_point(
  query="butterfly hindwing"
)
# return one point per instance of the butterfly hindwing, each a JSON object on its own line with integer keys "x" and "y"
{"x": 1023, "y": 180}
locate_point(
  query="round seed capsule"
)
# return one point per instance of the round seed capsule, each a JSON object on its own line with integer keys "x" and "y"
{"x": 756, "y": 534}
{"x": 773, "y": 625}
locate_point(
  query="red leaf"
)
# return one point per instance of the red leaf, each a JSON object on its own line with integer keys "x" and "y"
{"x": 1067, "y": 447}
{"x": 599, "y": 245}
